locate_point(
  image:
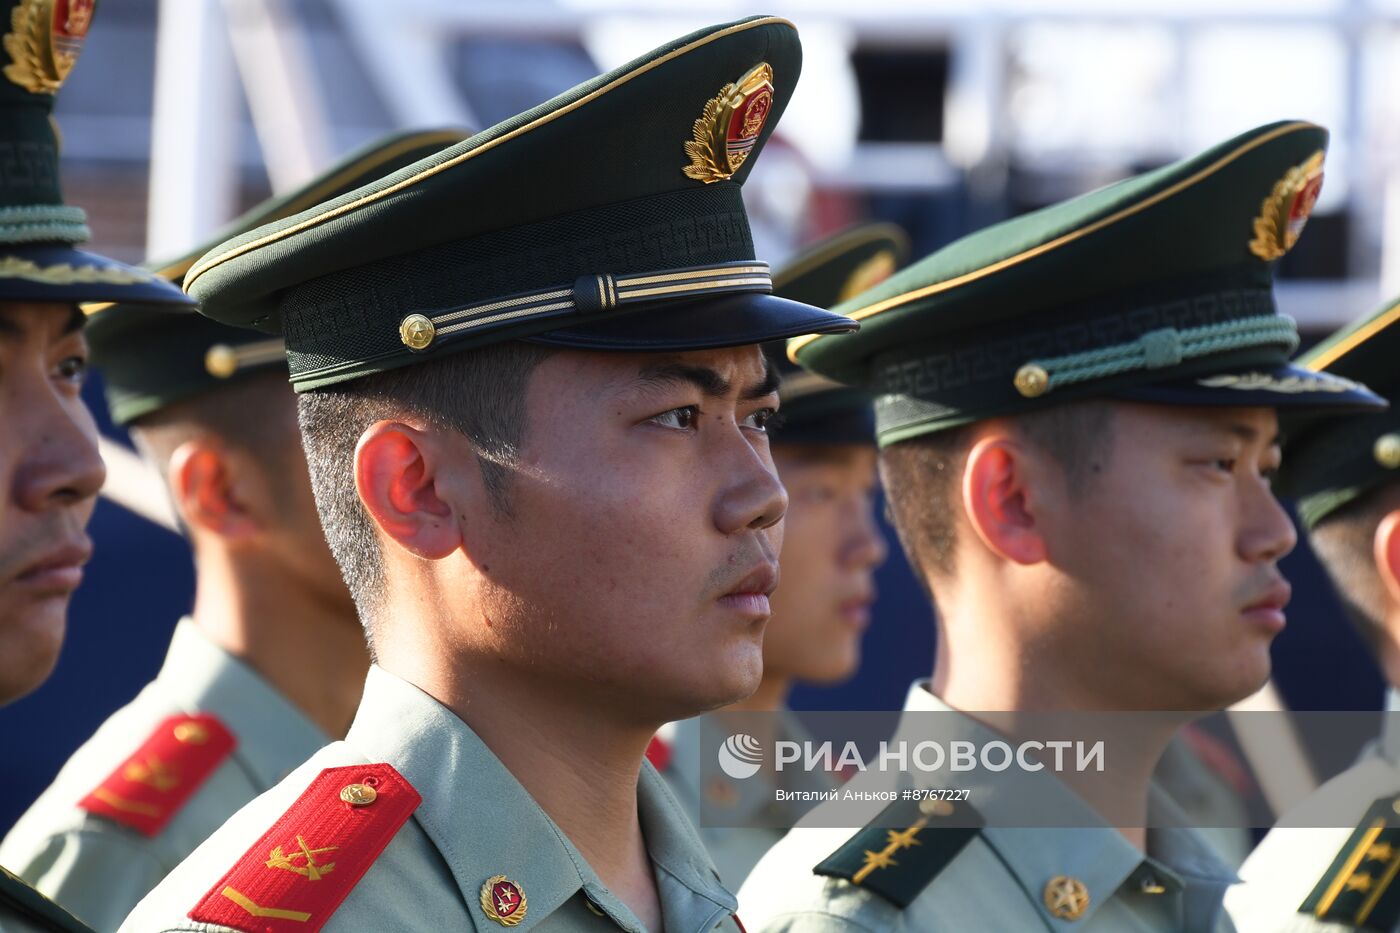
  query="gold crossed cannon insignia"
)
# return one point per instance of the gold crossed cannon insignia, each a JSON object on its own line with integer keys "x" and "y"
{"x": 152, "y": 772}
{"x": 310, "y": 869}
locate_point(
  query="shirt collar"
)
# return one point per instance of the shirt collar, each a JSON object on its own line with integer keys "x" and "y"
{"x": 1390, "y": 729}
{"x": 274, "y": 736}
{"x": 1092, "y": 852}
{"x": 732, "y": 805}
{"x": 485, "y": 823}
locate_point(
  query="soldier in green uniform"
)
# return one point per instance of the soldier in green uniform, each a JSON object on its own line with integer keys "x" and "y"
{"x": 1331, "y": 862}
{"x": 534, "y": 407}
{"x": 1077, "y": 413}
{"x": 824, "y": 448}
{"x": 269, "y": 665}
{"x": 50, "y": 471}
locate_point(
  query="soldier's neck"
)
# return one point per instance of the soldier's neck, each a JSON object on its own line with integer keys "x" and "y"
{"x": 987, "y": 675}
{"x": 580, "y": 762}
{"x": 308, "y": 645}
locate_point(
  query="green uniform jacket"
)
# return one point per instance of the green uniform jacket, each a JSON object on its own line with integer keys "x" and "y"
{"x": 734, "y": 847}
{"x": 98, "y": 868}
{"x": 475, "y": 824}
{"x": 995, "y": 878}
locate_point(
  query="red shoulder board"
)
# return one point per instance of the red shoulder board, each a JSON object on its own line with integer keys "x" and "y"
{"x": 296, "y": 875}
{"x": 659, "y": 753}
{"x": 153, "y": 784}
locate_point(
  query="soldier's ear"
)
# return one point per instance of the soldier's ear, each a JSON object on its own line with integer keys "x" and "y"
{"x": 399, "y": 478}
{"x": 1386, "y": 551}
{"x": 999, "y": 501}
{"x": 208, "y": 491}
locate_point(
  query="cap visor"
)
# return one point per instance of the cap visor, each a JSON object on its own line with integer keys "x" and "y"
{"x": 1284, "y": 387}
{"x": 702, "y": 324}
{"x": 60, "y": 273}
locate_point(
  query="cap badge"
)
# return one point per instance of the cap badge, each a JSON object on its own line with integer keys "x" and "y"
{"x": 503, "y": 901}
{"x": 1285, "y": 211}
{"x": 44, "y": 40}
{"x": 869, "y": 274}
{"x": 729, "y": 127}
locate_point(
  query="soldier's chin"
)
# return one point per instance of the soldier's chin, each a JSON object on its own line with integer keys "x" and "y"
{"x": 30, "y": 640}
{"x": 730, "y": 682}
{"x": 1248, "y": 678}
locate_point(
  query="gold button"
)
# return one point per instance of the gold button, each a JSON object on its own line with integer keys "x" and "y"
{"x": 358, "y": 795}
{"x": 417, "y": 332}
{"x": 191, "y": 733}
{"x": 1032, "y": 381}
{"x": 221, "y": 361}
{"x": 1387, "y": 451}
{"x": 1066, "y": 897}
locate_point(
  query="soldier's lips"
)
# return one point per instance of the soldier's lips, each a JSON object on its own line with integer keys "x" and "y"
{"x": 749, "y": 597}
{"x": 58, "y": 571}
{"x": 1267, "y": 611}
{"x": 856, "y": 612}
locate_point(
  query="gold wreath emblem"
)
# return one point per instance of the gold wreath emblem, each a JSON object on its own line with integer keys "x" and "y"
{"x": 713, "y": 155}
{"x": 40, "y": 55}
{"x": 1286, "y": 209}
{"x": 503, "y": 900}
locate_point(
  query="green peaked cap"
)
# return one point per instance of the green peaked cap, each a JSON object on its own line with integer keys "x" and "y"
{"x": 815, "y": 409}
{"x": 38, "y": 261}
{"x": 1157, "y": 288}
{"x": 608, "y": 218}
{"x": 152, "y": 358}
{"x": 1329, "y": 464}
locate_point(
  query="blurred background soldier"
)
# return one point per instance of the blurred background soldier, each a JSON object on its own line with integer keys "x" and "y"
{"x": 50, "y": 471}
{"x": 1332, "y": 861}
{"x": 269, "y": 665}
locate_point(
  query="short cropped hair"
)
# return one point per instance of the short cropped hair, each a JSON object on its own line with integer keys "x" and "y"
{"x": 222, "y": 413}
{"x": 922, "y": 477}
{"x": 480, "y": 393}
{"x": 1343, "y": 543}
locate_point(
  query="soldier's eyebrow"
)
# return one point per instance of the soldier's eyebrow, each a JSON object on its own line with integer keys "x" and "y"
{"x": 765, "y": 386}
{"x": 75, "y": 322}
{"x": 12, "y": 327}
{"x": 1244, "y": 431}
{"x": 709, "y": 381}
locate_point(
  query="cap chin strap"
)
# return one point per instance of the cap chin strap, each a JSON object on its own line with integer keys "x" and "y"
{"x": 1156, "y": 349}
{"x": 43, "y": 223}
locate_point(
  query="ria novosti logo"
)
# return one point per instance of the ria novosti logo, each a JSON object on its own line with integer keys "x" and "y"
{"x": 740, "y": 756}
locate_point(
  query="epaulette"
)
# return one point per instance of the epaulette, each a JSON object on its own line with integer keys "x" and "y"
{"x": 1357, "y": 888}
{"x": 904, "y": 848}
{"x": 19, "y": 899}
{"x": 160, "y": 777}
{"x": 297, "y": 874}
{"x": 659, "y": 753}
